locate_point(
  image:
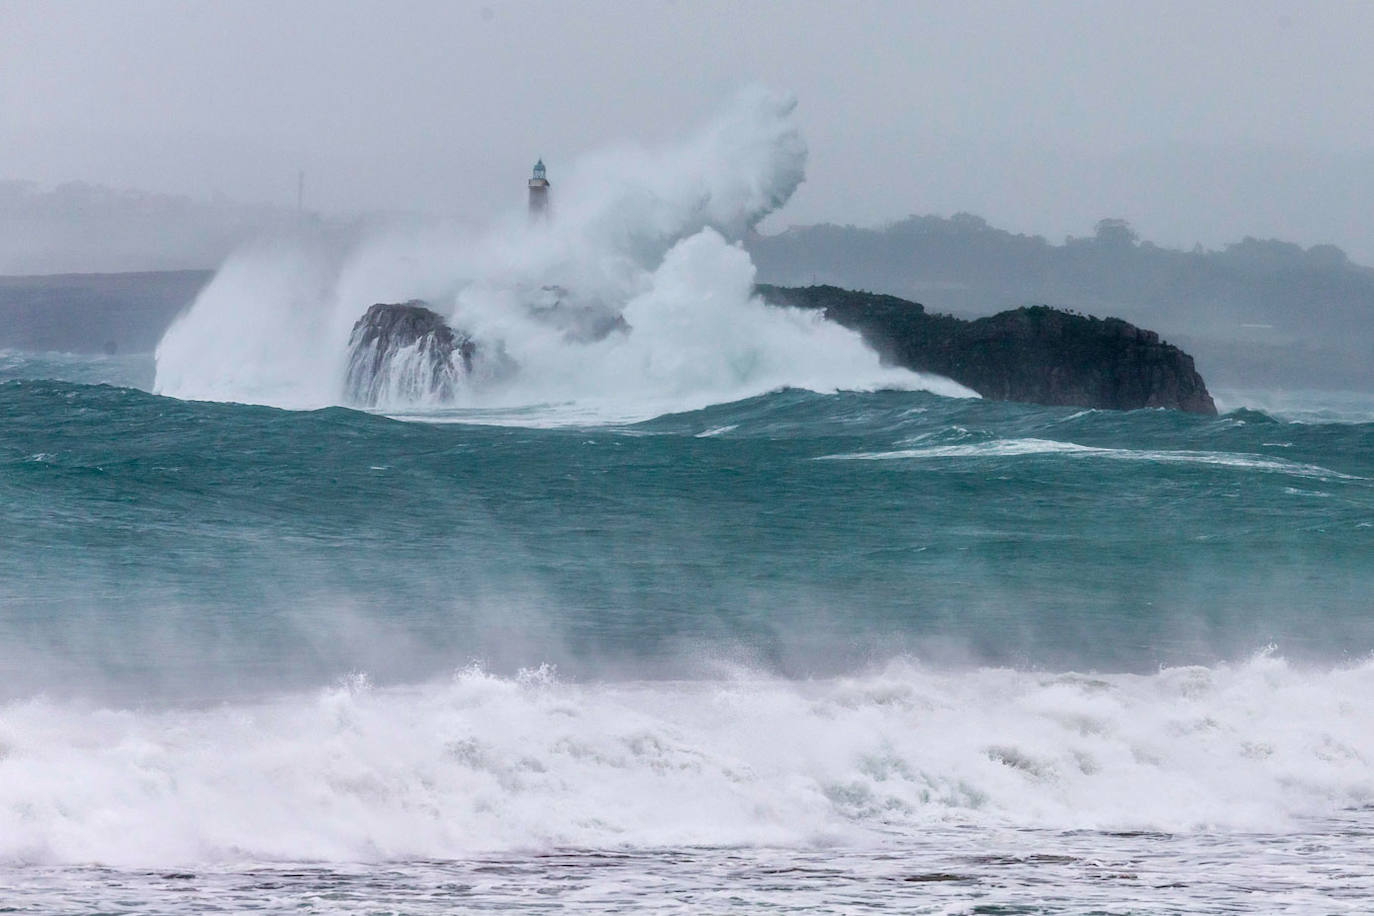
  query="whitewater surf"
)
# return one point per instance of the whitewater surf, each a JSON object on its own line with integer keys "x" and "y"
{"x": 641, "y": 236}
{"x": 710, "y": 610}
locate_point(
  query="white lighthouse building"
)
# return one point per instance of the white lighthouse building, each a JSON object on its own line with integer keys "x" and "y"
{"x": 539, "y": 193}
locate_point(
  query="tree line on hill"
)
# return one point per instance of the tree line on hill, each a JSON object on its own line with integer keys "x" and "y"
{"x": 1259, "y": 313}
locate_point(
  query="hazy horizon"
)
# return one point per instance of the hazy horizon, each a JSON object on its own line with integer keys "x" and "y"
{"x": 1199, "y": 125}
{"x": 65, "y": 228}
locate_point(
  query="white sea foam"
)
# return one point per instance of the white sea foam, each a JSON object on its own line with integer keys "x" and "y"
{"x": 481, "y": 763}
{"x": 1297, "y": 406}
{"x": 1010, "y": 448}
{"x": 637, "y": 232}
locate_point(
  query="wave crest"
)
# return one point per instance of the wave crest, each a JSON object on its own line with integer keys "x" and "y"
{"x": 488, "y": 763}
{"x": 640, "y": 240}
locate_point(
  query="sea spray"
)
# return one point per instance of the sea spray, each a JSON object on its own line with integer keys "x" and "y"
{"x": 480, "y": 763}
{"x": 737, "y": 719}
{"x": 641, "y": 237}
{"x": 268, "y": 329}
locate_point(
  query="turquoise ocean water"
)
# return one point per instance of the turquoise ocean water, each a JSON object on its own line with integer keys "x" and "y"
{"x": 881, "y": 649}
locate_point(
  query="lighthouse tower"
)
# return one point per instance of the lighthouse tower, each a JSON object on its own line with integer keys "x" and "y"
{"x": 539, "y": 193}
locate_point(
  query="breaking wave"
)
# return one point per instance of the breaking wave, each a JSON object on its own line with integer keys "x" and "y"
{"x": 1011, "y": 448}
{"x": 485, "y": 763}
{"x": 639, "y": 249}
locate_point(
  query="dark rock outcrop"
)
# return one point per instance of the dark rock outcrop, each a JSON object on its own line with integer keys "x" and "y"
{"x": 1037, "y": 354}
{"x": 405, "y": 353}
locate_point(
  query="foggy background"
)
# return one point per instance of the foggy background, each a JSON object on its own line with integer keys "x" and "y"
{"x": 961, "y": 156}
{"x": 1195, "y": 122}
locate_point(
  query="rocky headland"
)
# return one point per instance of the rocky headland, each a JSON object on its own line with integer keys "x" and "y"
{"x": 406, "y": 352}
{"x": 1036, "y": 354}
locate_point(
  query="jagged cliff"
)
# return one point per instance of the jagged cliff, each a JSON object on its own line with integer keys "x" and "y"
{"x": 1035, "y": 354}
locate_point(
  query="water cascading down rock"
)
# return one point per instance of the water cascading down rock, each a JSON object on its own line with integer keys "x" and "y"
{"x": 404, "y": 354}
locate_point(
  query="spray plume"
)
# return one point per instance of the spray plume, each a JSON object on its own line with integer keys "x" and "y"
{"x": 638, "y": 252}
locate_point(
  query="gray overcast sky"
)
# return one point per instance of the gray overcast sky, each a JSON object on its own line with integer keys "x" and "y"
{"x": 1199, "y": 122}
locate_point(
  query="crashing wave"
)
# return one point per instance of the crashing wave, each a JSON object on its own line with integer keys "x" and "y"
{"x": 635, "y": 301}
{"x": 481, "y": 763}
{"x": 405, "y": 353}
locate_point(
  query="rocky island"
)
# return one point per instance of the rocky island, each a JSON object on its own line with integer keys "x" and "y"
{"x": 405, "y": 352}
{"x": 1035, "y": 354}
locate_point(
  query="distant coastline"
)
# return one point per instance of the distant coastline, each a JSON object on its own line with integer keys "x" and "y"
{"x": 1258, "y": 314}
{"x": 94, "y": 313}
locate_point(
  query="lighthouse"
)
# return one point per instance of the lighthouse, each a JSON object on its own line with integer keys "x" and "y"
{"x": 539, "y": 193}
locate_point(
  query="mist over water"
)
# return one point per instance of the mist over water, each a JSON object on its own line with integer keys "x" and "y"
{"x": 239, "y": 634}
{"x": 716, "y": 588}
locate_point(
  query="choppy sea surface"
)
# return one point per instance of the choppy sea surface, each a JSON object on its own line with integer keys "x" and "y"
{"x": 847, "y": 652}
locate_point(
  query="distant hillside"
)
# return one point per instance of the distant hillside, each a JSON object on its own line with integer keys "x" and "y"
{"x": 79, "y": 227}
{"x": 1256, "y": 313}
{"x": 94, "y": 313}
